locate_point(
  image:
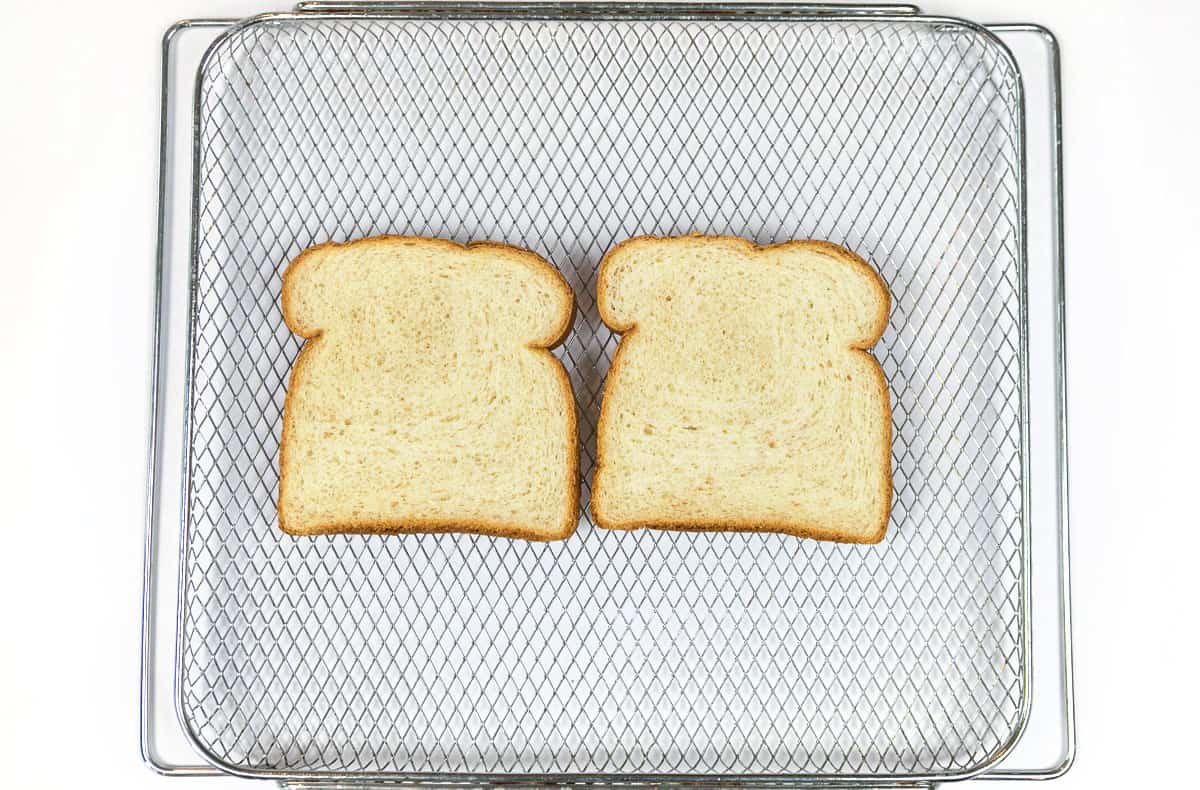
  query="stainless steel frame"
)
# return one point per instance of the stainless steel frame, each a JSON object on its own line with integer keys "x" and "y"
{"x": 612, "y": 11}
{"x": 1062, "y": 546}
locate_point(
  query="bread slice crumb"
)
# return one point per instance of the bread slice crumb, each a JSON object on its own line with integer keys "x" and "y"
{"x": 741, "y": 396}
{"x": 425, "y": 398}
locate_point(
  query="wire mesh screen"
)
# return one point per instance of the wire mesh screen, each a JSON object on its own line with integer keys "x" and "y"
{"x": 612, "y": 652}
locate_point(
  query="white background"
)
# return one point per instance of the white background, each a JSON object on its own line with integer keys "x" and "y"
{"x": 78, "y": 157}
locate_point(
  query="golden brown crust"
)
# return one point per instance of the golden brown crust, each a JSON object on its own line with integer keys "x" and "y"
{"x": 570, "y": 517}
{"x": 795, "y": 529}
{"x": 629, "y": 331}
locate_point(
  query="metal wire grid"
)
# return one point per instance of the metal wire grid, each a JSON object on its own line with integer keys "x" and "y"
{"x": 648, "y": 652}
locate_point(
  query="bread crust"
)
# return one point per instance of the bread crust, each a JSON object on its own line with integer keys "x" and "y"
{"x": 570, "y": 512}
{"x": 628, "y": 330}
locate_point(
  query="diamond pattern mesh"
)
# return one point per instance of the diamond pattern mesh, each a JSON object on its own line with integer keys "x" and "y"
{"x": 610, "y": 652}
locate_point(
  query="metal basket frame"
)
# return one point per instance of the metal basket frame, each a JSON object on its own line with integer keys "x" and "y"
{"x": 594, "y": 11}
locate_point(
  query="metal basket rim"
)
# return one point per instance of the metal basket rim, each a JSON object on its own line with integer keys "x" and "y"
{"x": 609, "y": 11}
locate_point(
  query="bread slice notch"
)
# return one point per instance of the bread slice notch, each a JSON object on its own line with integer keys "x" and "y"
{"x": 741, "y": 396}
{"x": 425, "y": 398}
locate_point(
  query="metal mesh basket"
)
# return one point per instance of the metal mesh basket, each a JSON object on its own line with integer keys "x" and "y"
{"x": 614, "y": 653}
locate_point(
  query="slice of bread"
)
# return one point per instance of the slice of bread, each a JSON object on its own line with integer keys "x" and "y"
{"x": 741, "y": 396}
{"x": 425, "y": 399}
